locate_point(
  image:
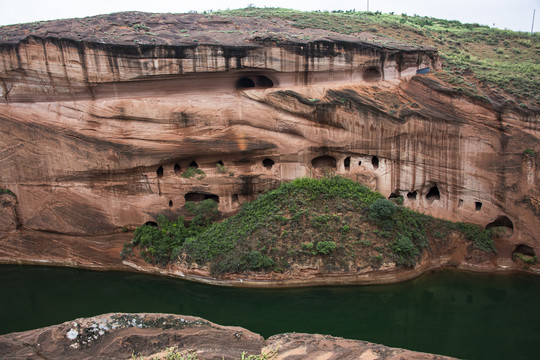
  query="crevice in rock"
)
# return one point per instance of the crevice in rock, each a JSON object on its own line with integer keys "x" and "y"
{"x": 151, "y": 223}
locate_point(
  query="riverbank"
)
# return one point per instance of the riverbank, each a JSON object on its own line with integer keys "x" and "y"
{"x": 430, "y": 314}
{"x": 101, "y": 253}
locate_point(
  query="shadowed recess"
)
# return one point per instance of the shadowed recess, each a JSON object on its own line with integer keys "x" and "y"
{"x": 324, "y": 161}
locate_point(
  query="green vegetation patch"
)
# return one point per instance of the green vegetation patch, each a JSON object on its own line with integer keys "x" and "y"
{"x": 333, "y": 221}
{"x": 7, "y": 191}
{"x": 477, "y": 60}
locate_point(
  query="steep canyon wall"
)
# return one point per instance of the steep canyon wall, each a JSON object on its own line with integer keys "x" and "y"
{"x": 95, "y": 137}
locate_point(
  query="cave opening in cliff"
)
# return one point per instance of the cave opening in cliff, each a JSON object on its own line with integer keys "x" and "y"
{"x": 411, "y": 195}
{"x": 177, "y": 169}
{"x": 170, "y": 203}
{"x": 347, "y": 163}
{"x": 394, "y": 195}
{"x": 244, "y": 83}
{"x": 234, "y": 198}
{"x": 268, "y": 163}
{"x": 264, "y": 82}
{"x": 371, "y": 74}
{"x": 375, "y": 162}
{"x": 501, "y": 220}
{"x": 433, "y": 193}
{"x": 524, "y": 249}
{"x": 477, "y": 205}
{"x": 359, "y": 162}
{"x": 193, "y": 165}
{"x": 460, "y": 203}
{"x": 197, "y": 197}
{"x": 220, "y": 163}
{"x": 151, "y": 223}
{"x": 159, "y": 172}
{"x": 324, "y": 161}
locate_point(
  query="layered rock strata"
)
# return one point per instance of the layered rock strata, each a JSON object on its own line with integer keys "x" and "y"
{"x": 102, "y": 118}
{"x": 154, "y": 336}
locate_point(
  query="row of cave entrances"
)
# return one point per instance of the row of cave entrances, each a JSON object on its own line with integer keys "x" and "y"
{"x": 178, "y": 169}
{"x": 371, "y": 74}
{"x": 330, "y": 162}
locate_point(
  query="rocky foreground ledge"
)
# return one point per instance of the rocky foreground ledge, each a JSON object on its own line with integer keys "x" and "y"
{"x": 157, "y": 336}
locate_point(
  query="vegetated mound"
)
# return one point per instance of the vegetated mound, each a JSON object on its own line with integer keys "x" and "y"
{"x": 331, "y": 224}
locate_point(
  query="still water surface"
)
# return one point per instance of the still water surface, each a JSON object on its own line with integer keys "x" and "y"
{"x": 473, "y": 316}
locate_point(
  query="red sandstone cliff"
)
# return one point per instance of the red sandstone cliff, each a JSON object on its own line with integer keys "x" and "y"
{"x": 100, "y": 116}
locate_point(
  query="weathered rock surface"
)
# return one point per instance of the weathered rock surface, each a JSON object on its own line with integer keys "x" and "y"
{"x": 120, "y": 336}
{"x": 99, "y": 118}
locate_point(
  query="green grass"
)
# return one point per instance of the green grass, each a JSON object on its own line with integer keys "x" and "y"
{"x": 478, "y": 60}
{"x": 333, "y": 220}
{"x": 7, "y": 191}
{"x": 191, "y": 172}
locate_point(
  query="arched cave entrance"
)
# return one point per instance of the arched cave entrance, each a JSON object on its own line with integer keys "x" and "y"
{"x": 177, "y": 169}
{"x": 524, "y": 249}
{"x": 264, "y": 82}
{"x": 151, "y": 223}
{"x": 501, "y": 220}
{"x": 170, "y": 203}
{"x": 220, "y": 163}
{"x": 347, "y": 163}
{"x": 375, "y": 162}
{"x": 234, "y": 198}
{"x": 433, "y": 193}
{"x": 411, "y": 195}
{"x": 371, "y": 74}
{"x": 193, "y": 165}
{"x": 159, "y": 172}
{"x": 259, "y": 81}
{"x": 196, "y": 197}
{"x": 324, "y": 161}
{"x": 477, "y": 205}
{"x": 268, "y": 163}
{"x": 245, "y": 83}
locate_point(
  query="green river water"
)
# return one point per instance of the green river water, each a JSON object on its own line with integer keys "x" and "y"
{"x": 473, "y": 316}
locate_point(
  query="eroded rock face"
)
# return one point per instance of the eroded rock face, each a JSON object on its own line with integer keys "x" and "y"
{"x": 97, "y": 133}
{"x": 153, "y": 336}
